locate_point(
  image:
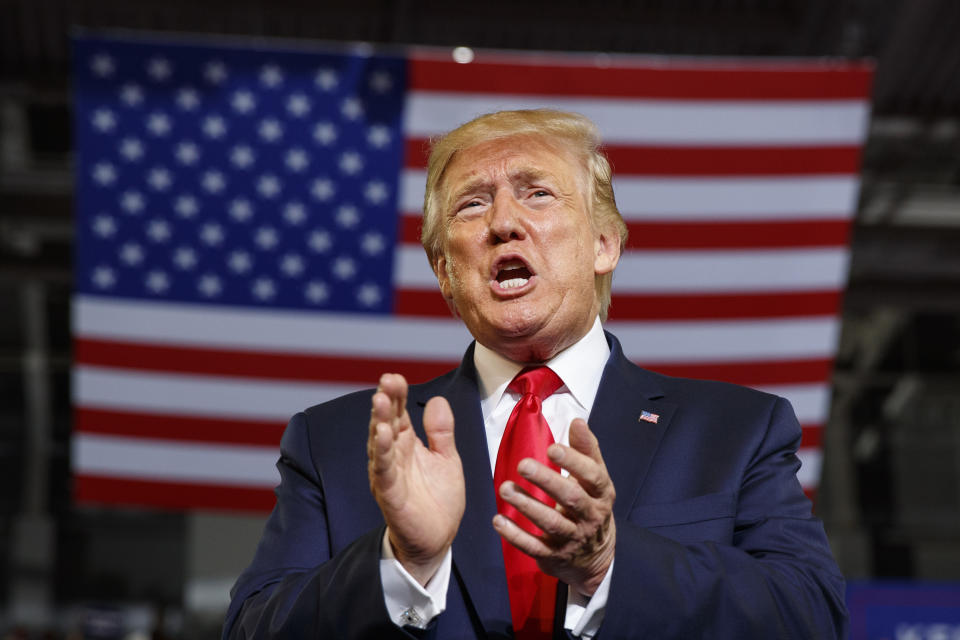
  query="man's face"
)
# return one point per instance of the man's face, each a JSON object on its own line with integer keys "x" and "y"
{"x": 520, "y": 253}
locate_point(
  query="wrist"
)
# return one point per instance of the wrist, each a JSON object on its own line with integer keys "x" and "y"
{"x": 420, "y": 566}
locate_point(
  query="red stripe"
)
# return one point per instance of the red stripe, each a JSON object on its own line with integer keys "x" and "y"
{"x": 706, "y": 161}
{"x": 812, "y": 436}
{"x": 93, "y": 490}
{"x": 491, "y": 73}
{"x": 751, "y": 373}
{"x": 177, "y": 427}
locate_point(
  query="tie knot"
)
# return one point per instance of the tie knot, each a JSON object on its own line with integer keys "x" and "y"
{"x": 538, "y": 381}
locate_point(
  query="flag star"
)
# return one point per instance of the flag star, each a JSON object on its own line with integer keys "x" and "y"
{"x": 187, "y": 152}
{"x": 325, "y": 133}
{"x": 103, "y": 277}
{"x": 369, "y": 295}
{"x": 242, "y": 156}
{"x": 188, "y": 99}
{"x": 209, "y": 285}
{"x": 381, "y": 81}
{"x": 214, "y": 127}
{"x": 159, "y": 69}
{"x": 211, "y": 234}
{"x": 185, "y": 258}
{"x": 347, "y": 216}
{"x": 320, "y": 240}
{"x": 326, "y": 79}
{"x": 186, "y": 206}
{"x": 243, "y": 102}
{"x": 102, "y": 65}
{"x": 292, "y": 264}
{"x": 240, "y": 210}
{"x": 376, "y": 192}
{"x": 159, "y": 178}
{"x": 266, "y": 238}
{"x": 131, "y": 149}
{"x": 373, "y": 243}
{"x": 104, "y": 173}
{"x": 240, "y": 262}
{"x": 159, "y": 124}
{"x": 271, "y": 76}
{"x": 316, "y": 292}
{"x": 159, "y": 230}
{"x": 295, "y": 213}
{"x": 263, "y": 289}
{"x": 215, "y": 72}
{"x": 344, "y": 267}
{"x": 378, "y": 136}
{"x": 298, "y": 105}
{"x": 131, "y": 94}
{"x": 103, "y": 120}
{"x": 157, "y": 281}
{"x": 213, "y": 181}
{"x": 132, "y": 201}
{"x": 269, "y": 185}
{"x": 297, "y": 159}
{"x": 131, "y": 254}
{"x": 270, "y": 130}
{"x": 104, "y": 226}
{"x": 351, "y": 163}
{"x": 352, "y": 108}
{"x": 322, "y": 189}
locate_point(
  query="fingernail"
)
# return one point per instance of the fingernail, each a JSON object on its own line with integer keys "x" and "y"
{"x": 506, "y": 489}
{"x": 555, "y": 452}
{"x": 526, "y": 468}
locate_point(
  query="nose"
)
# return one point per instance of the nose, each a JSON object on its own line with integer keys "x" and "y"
{"x": 505, "y": 218}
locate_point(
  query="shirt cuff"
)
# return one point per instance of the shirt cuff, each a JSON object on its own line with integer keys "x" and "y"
{"x": 584, "y": 615}
{"x": 410, "y": 604}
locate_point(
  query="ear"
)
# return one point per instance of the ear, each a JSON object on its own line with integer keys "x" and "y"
{"x": 443, "y": 278}
{"x": 606, "y": 252}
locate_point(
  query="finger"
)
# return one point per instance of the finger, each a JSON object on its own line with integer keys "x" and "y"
{"x": 567, "y": 492}
{"x": 553, "y": 523}
{"x": 394, "y": 386}
{"x": 584, "y": 464}
{"x": 382, "y": 453}
{"x": 438, "y": 423}
{"x": 522, "y": 540}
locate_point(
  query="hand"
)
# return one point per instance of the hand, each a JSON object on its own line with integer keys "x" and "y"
{"x": 420, "y": 490}
{"x": 579, "y": 534}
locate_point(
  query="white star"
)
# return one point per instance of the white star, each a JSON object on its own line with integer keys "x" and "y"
{"x": 159, "y": 178}
{"x": 295, "y": 213}
{"x": 243, "y": 102}
{"x": 104, "y": 226}
{"x": 372, "y": 243}
{"x": 263, "y": 289}
{"x": 103, "y": 277}
{"x": 131, "y": 254}
{"x": 322, "y": 189}
{"x": 298, "y": 105}
{"x": 351, "y": 163}
{"x": 381, "y": 81}
{"x": 270, "y": 130}
{"x": 102, "y": 65}
{"x": 209, "y": 285}
{"x": 351, "y": 108}
{"x": 157, "y": 281}
{"x": 131, "y": 149}
{"x": 188, "y": 99}
{"x": 240, "y": 210}
{"x": 369, "y": 295}
{"x": 316, "y": 292}
{"x": 103, "y": 120}
{"x": 185, "y": 258}
{"x": 271, "y": 76}
{"x": 159, "y": 124}
{"x": 159, "y": 69}
{"x": 378, "y": 136}
{"x": 187, "y": 152}
{"x": 159, "y": 230}
{"x": 325, "y": 133}
{"x": 326, "y": 79}
{"x": 131, "y": 94}
{"x": 211, "y": 234}
{"x": 344, "y": 267}
{"x": 214, "y": 127}
{"x": 347, "y": 216}
{"x": 320, "y": 240}
{"x": 376, "y": 192}
{"x": 132, "y": 201}
{"x": 292, "y": 265}
{"x": 215, "y": 72}
{"x": 186, "y": 206}
{"x": 242, "y": 156}
{"x": 297, "y": 159}
{"x": 213, "y": 181}
{"x": 104, "y": 173}
{"x": 266, "y": 238}
{"x": 239, "y": 262}
{"x": 269, "y": 185}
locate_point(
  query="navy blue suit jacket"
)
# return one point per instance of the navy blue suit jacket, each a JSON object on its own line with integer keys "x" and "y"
{"x": 715, "y": 538}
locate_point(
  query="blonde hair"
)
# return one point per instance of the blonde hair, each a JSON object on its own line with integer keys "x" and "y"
{"x": 572, "y": 131}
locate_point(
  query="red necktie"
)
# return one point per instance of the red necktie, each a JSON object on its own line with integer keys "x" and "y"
{"x": 532, "y": 592}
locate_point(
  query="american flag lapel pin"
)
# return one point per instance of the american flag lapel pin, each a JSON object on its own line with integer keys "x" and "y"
{"x": 646, "y": 416}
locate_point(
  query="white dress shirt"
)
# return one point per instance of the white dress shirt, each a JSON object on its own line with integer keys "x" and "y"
{"x": 580, "y": 366}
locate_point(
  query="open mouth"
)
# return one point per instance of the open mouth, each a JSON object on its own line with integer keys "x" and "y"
{"x": 513, "y": 274}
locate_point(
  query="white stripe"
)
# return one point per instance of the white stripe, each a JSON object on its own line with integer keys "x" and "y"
{"x": 432, "y": 339}
{"x": 811, "y": 461}
{"x": 108, "y": 388}
{"x": 713, "y": 199}
{"x": 689, "y": 271}
{"x": 811, "y": 402}
{"x": 169, "y": 461}
{"x": 651, "y": 121}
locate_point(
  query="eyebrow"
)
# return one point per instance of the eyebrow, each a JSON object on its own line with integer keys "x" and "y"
{"x": 522, "y": 176}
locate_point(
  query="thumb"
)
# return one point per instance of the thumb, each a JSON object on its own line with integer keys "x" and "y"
{"x": 438, "y": 423}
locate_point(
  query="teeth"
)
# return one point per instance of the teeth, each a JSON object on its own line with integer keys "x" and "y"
{"x": 513, "y": 283}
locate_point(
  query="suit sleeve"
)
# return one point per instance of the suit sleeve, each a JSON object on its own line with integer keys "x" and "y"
{"x": 777, "y": 579}
{"x": 294, "y": 587}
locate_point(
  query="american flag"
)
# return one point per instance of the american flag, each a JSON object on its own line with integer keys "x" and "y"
{"x": 247, "y": 236}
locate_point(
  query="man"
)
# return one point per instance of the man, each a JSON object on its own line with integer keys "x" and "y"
{"x": 666, "y": 508}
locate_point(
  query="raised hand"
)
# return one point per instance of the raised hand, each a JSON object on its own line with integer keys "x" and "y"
{"x": 579, "y": 534}
{"x": 420, "y": 490}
